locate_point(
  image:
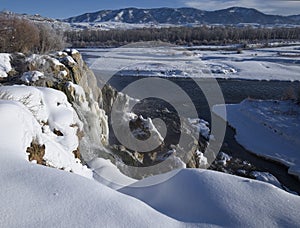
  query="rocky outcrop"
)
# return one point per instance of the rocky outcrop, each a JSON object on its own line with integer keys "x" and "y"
{"x": 66, "y": 71}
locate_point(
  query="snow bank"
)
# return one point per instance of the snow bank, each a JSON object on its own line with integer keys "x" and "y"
{"x": 5, "y": 66}
{"x": 37, "y": 196}
{"x": 18, "y": 128}
{"x": 201, "y": 126}
{"x": 268, "y": 128}
{"x": 54, "y": 122}
{"x": 107, "y": 173}
{"x": 213, "y": 198}
{"x": 32, "y": 76}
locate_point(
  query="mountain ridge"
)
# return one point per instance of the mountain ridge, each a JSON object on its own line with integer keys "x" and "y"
{"x": 184, "y": 15}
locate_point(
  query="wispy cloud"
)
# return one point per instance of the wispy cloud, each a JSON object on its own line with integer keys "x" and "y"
{"x": 281, "y": 7}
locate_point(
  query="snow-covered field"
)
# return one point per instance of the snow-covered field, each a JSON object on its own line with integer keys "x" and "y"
{"x": 269, "y": 129}
{"x": 277, "y": 63}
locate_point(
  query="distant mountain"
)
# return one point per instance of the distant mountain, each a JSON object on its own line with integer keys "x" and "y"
{"x": 295, "y": 18}
{"x": 180, "y": 16}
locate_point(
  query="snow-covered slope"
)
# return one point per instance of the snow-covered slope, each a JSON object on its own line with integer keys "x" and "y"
{"x": 213, "y": 198}
{"x": 44, "y": 117}
{"x": 268, "y": 128}
{"x": 234, "y": 15}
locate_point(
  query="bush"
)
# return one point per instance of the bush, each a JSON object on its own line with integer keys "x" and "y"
{"x": 17, "y": 35}
{"x": 49, "y": 39}
{"x": 21, "y": 35}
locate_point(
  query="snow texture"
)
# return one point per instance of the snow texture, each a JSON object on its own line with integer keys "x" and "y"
{"x": 32, "y": 76}
{"x": 5, "y": 65}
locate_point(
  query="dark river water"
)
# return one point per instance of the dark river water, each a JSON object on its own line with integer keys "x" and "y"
{"x": 234, "y": 91}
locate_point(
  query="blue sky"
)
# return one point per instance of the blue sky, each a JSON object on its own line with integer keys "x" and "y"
{"x": 68, "y": 8}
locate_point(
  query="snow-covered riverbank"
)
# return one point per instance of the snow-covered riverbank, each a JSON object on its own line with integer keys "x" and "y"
{"x": 269, "y": 129}
{"x": 280, "y": 63}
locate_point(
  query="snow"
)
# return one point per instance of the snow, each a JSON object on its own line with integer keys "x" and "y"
{"x": 223, "y": 158}
{"x": 202, "y": 160}
{"x": 72, "y": 51}
{"x": 69, "y": 60}
{"x": 51, "y": 111}
{"x": 33, "y": 196}
{"x": 268, "y": 128}
{"x": 266, "y": 177}
{"x": 116, "y": 24}
{"x": 257, "y": 64}
{"x": 5, "y": 65}
{"x": 107, "y": 173}
{"x": 275, "y": 63}
{"x": 16, "y": 136}
{"x": 201, "y": 126}
{"x": 147, "y": 61}
{"x": 213, "y": 198}
{"x": 32, "y": 76}
{"x": 119, "y": 16}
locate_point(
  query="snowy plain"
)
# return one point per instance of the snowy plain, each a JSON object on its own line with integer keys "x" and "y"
{"x": 274, "y": 63}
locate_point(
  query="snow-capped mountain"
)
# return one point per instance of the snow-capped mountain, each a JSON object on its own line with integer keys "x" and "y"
{"x": 181, "y": 16}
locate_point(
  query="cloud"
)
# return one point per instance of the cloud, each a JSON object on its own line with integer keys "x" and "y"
{"x": 282, "y": 7}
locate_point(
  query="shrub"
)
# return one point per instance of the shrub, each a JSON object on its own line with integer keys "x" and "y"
{"x": 21, "y": 35}
{"x": 17, "y": 35}
{"x": 49, "y": 39}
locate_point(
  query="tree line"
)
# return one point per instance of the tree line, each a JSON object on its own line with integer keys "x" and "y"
{"x": 21, "y": 35}
{"x": 181, "y": 35}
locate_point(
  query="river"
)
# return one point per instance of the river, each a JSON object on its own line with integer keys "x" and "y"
{"x": 234, "y": 91}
